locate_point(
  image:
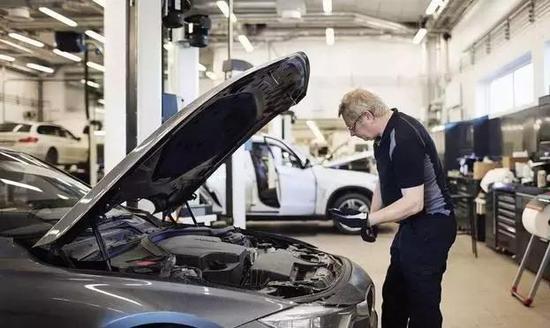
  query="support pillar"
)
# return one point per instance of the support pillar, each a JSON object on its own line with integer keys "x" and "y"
{"x": 115, "y": 22}
{"x": 184, "y": 72}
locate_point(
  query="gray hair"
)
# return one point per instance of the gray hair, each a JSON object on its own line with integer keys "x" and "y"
{"x": 359, "y": 101}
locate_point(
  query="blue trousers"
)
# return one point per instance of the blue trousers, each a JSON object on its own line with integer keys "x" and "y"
{"x": 412, "y": 288}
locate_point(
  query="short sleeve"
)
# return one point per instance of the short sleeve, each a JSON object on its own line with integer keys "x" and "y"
{"x": 408, "y": 162}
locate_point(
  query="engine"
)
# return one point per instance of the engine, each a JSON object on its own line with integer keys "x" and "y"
{"x": 269, "y": 265}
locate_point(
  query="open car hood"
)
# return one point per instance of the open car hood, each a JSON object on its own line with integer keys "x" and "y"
{"x": 180, "y": 155}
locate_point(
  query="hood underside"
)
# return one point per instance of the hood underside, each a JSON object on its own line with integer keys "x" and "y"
{"x": 179, "y": 156}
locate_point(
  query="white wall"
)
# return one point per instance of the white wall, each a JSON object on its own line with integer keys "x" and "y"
{"x": 63, "y": 102}
{"x": 24, "y": 90}
{"x": 477, "y": 22}
{"x": 391, "y": 68}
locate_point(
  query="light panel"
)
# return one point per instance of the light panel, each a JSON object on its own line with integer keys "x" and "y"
{"x": 26, "y": 39}
{"x": 91, "y": 83}
{"x": 40, "y": 68}
{"x": 96, "y": 36}
{"x": 95, "y": 66}
{"x": 224, "y": 8}
{"x": 55, "y": 15}
{"x": 327, "y": 6}
{"x": 420, "y": 35}
{"x": 6, "y": 58}
{"x": 16, "y": 46}
{"x": 329, "y": 34}
{"x": 245, "y": 43}
{"x": 67, "y": 55}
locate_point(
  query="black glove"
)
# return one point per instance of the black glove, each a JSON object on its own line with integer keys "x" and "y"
{"x": 355, "y": 219}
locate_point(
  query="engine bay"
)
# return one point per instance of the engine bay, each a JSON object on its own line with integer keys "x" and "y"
{"x": 229, "y": 257}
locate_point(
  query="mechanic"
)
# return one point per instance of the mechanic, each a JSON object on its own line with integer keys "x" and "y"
{"x": 412, "y": 191}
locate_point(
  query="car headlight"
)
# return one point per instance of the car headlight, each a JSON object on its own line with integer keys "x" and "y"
{"x": 310, "y": 316}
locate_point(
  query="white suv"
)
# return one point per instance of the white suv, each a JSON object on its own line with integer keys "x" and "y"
{"x": 281, "y": 182}
{"x": 49, "y": 142}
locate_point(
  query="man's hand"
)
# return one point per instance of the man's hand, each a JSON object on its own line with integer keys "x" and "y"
{"x": 355, "y": 219}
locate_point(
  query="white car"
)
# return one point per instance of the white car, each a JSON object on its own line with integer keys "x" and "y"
{"x": 280, "y": 182}
{"x": 47, "y": 141}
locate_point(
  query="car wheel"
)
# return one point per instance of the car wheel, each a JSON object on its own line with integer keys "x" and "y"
{"x": 354, "y": 201}
{"x": 52, "y": 156}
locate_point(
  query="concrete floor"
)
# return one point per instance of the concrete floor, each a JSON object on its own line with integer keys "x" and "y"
{"x": 475, "y": 291}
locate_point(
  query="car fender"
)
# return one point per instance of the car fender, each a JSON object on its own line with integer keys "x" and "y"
{"x": 331, "y": 181}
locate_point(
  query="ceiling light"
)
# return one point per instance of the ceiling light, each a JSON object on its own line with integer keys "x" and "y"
{"x": 25, "y": 39}
{"x": 432, "y": 7}
{"x": 420, "y": 35}
{"x": 7, "y": 58}
{"x": 224, "y": 8}
{"x": 100, "y": 2}
{"x": 442, "y": 6}
{"x": 95, "y": 35}
{"x": 167, "y": 46}
{"x": 329, "y": 33}
{"x": 23, "y": 68}
{"x": 211, "y": 75}
{"x": 58, "y": 16}
{"x": 15, "y": 45}
{"x": 101, "y": 101}
{"x": 327, "y": 6}
{"x": 246, "y": 43}
{"x": 41, "y": 68}
{"x": 91, "y": 83}
{"x": 315, "y": 130}
{"x": 67, "y": 55}
{"x": 96, "y": 66}
{"x": 202, "y": 68}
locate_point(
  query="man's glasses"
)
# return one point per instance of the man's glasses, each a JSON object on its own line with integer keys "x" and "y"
{"x": 354, "y": 126}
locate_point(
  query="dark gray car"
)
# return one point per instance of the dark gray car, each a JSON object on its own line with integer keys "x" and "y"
{"x": 75, "y": 257}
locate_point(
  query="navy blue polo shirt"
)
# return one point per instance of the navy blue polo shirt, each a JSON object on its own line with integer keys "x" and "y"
{"x": 406, "y": 157}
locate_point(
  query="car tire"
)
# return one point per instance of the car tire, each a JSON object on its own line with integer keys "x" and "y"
{"x": 355, "y": 201}
{"x": 52, "y": 157}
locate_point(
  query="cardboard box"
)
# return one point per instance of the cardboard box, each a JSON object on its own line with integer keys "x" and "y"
{"x": 510, "y": 162}
{"x": 480, "y": 168}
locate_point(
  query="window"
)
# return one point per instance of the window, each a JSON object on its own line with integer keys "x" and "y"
{"x": 49, "y": 130}
{"x": 511, "y": 90}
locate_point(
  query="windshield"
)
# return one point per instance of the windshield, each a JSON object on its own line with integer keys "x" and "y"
{"x": 32, "y": 193}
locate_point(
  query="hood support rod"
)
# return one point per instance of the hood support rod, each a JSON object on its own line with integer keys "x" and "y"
{"x": 101, "y": 244}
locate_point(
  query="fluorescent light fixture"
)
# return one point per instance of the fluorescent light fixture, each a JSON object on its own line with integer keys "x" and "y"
{"x": 101, "y": 101}
{"x": 246, "y": 43}
{"x": 41, "y": 68}
{"x": 58, "y": 16}
{"x": 442, "y": 6}
{"x": 211, "y": 75}
{"x": 22, "y": 68}
{"x": 96, "y": 66}
{"x": 202, "y": 68}
{"x": 167, "y": 46}
{"x": 26, "y": 39}
{"x": 99, "y": 133}
{"x": 15, "y": 45}
{"x": 190, "y": 27}
{"x": 94, "y": 35}
{"x": 6, "y": 58}
{"x": 420, "y": 35}
{"x": 329, "y": 33}
{"x": 432, "y": 7}
{"x": 100, "y": 2}
{"x": 327, "y": 6}
{"x": 91, "y": 83}
{"x": 224, "y": 8}
{"x": 67, "y": 55}
{"x": 315, "y": 130}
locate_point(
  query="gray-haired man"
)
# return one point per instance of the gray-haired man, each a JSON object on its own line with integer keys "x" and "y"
{"x": 412, "y": 191}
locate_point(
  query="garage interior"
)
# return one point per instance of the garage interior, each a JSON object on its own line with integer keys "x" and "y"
{"x": 86, "y": 85}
